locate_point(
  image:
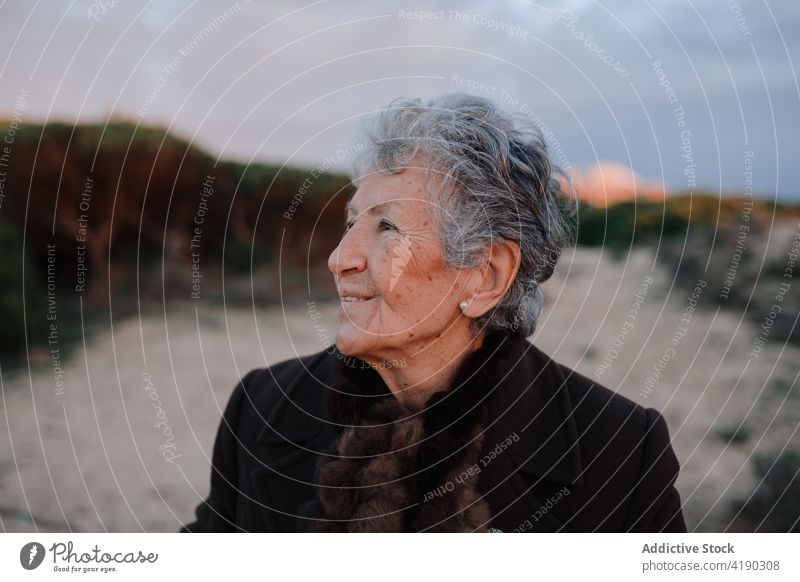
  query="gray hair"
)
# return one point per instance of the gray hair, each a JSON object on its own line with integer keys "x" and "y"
{"x": 494, "y": 181}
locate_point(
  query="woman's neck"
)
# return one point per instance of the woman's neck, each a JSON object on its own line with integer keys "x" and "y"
{"x": 430, "y": 370}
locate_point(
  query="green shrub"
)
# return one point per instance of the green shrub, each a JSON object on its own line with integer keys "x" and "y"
{"x": 12, "y": 296}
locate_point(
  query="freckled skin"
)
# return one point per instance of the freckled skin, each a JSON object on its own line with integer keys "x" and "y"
{"x": 415, "y": 291}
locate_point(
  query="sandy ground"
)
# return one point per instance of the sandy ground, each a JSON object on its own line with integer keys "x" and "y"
{"x": 93, "y": 459}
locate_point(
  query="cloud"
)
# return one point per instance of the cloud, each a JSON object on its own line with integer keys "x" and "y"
{"x": 608, "y": 182}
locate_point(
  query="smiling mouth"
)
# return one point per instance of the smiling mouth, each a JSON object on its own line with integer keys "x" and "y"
{"x": 355, "y": 300}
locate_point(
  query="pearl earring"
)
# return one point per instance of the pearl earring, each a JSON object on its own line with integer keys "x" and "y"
{"x": 463, "y": 305}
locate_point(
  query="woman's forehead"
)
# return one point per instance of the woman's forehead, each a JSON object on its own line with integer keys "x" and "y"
{"x": 378, "y": 193}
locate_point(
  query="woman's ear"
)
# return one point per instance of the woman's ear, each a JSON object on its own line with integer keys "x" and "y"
{"x": 494, "y": 277}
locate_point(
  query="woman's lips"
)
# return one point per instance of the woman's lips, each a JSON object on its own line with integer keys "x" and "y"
{"x": 356, "y": 299}
{"x": 350, "y": 302}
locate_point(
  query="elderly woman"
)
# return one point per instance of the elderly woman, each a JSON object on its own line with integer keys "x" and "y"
{"x": 432, "y": 412}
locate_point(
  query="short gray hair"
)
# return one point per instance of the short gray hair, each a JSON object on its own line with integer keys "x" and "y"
{"x": 494, "y": 181}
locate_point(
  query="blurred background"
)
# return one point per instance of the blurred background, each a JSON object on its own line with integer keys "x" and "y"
{"x": 173, "y": 177}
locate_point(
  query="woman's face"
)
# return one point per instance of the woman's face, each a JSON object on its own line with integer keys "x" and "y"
{"x": 394, "y": 286}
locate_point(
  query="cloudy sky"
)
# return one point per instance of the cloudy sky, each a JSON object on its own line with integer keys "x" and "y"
{"x": 690, "y": 94}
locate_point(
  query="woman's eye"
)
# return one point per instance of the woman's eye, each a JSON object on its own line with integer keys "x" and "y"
{"x": 383, "y": 225}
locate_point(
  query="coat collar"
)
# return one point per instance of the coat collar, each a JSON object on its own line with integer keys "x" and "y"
{"x": 530, "y": 434}
{"x": 531, "y": 399}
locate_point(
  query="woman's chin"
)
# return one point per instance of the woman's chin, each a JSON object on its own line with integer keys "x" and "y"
{"x": 349, "y": 340}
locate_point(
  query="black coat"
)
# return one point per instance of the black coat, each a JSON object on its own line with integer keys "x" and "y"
{"x": 586, "y": 458}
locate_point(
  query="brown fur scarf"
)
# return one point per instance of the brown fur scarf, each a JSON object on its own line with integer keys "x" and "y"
{"x": 395, "y": 469}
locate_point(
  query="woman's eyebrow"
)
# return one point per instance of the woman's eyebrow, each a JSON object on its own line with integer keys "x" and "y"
{"x": 348, "y": 210}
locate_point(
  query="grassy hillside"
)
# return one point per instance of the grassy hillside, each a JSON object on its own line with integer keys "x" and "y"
{"x": 125, "y": 215}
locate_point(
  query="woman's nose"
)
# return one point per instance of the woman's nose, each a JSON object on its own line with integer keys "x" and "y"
{"x": 349, "y": 255}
